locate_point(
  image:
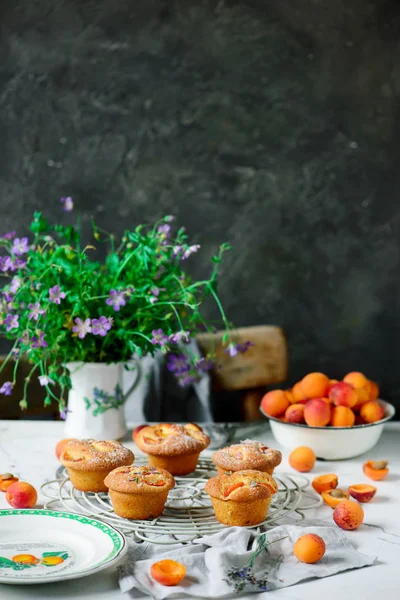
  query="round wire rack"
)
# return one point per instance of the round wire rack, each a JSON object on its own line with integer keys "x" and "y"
{"x": 188, "y": 513}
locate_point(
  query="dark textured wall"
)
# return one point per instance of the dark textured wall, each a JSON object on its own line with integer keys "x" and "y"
{"x": 273, "y": 124}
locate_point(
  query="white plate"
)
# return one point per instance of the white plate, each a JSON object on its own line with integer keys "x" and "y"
{"x": 40, "y": 546}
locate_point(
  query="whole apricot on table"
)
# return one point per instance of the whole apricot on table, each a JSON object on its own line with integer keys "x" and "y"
{"x": 61, "y": 445}
{"x": 275, "y": 403}
{"x": 315, "y": 385}
{"x": 372, "y": 411}
{"x": 333, "y": 497}
{"x": 317, "y": 413}
{"x": 362, "y": 492}
{"x": 6, "y": 480}
{"x": 295, "y": 413}
{"x": 309, "y": 548}
{"x": 168, "y": 572}
{"x": 348, "y": 515}
{"x": 21, "y": 495}
{"x": 376, "y": 469}
{"x": 342, "y": 416}
{"x": 343, "y": 394}
{"x": 302, "y": 459}
{"x": 323, "y": 483}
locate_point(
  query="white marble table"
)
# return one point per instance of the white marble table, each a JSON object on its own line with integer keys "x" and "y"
{"x": 27, "y": 450}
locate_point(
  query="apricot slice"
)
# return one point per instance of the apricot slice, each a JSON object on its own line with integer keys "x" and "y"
{"x": 302, "y": 459}
{"x": 309, "y": 548}
{"x": 233, "y": 487}
{"x": 376, "y": 470}
{"x": 323, "y": 483}
{"x": 6, "y": 480}
{"x": 333, "y": 497}
{"x": 362, "y": 492}
{"x": 168, "y": 572}
{"x": 348, "y": 515}
{"x": 275, "y": 403}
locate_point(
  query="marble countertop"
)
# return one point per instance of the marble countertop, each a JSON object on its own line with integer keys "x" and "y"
{"x": 27, "y": 450}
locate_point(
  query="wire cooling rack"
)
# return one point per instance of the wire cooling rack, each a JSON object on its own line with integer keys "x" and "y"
{"x": 188, "y": 513}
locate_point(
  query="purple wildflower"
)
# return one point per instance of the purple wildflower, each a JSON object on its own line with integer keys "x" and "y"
{"x": 25, "y": 337}
{"x": 169, "y": 218}
{"x": 6, "y": 388}
{"x": 155, "y": 291}
{"x": 8, "y": 297}
{"x": 191, "y": 250}
{"x": 8, "y": 236}
{"x": 186, "y": 379}
{"x": 164, "y": 231}
{"x": 180, "y": 336}
{"x": 159, "y": 338}
{"x": 234, "y": 349}
{"x": 56, "y": 295}
{"x": 67, "y": 203}
{"x": 18, "y": 264}
{"x": 15, "y": 284}
{"x": 11, "y": 322}
{"x": 20, "y": 246}
{"x": 44, "y": 380}
{"x": 39, "y": 342}
{"x": 178, "y": 363}
{"x": 101, "y": 326}
{"x": 116, "y": 299}
{"x": 203, "y": 365}
{"x": 82, "y": 327}
{"x": 36, "y": 311}
{"x": 6, "y": 264}
{"x": 63, "y": 412}
{"x": 177, "y": 250}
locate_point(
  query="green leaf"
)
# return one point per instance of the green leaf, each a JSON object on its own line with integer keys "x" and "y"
{"x": 39, "y": 223}
{"x": 62, "y": 553}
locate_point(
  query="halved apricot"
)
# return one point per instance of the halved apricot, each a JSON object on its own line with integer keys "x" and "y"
{"x": 6, "y": 480}
{"x": 323, "y": 483}
{"x": 168, "y": 572}
{"x": 376, "y": 469}
{"x": 333, "y": 497}
{"x": 362, "y": 492}
{"x": 233, "y": 487}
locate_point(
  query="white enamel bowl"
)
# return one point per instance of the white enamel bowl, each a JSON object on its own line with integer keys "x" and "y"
{"x": 331, "y": 443}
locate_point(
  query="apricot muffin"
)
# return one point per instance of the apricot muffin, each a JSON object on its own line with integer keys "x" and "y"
{"x": 175, "y": 448}
{"x": 249, "y": 454}
{"x": 139, "y": 492}
{"x": 89, "y": 461}
{"x": 241, "y": 498}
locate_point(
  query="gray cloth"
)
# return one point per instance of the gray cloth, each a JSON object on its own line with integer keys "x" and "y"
{"x": 165, "y": 400}
{"x": 209, "y": 559}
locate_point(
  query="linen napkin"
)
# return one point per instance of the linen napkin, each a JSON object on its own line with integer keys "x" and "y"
{"x": 209, "y": 560}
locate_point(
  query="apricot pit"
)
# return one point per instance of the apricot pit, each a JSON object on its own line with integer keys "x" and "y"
{"x": 333, "y": 497}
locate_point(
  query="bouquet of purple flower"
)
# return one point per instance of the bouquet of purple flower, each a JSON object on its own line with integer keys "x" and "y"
{"x": 60, "y": 303}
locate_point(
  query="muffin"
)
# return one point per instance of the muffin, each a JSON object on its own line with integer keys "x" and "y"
{"x": 139, "y": 492}
{"x": 242, "y": 498}
{"x": 175, "y": 448}
{"x": 249, "y": 454}
{"x": 89, "y": 461}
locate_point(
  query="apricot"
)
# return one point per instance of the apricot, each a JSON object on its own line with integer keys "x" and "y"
{"x": 348, "y": 515}
{"x": 295, "y": 413}
{"x": 342, "y": 417}
{"x": 302, "y": 459}
{"x": 343, "y": 394}
{"x": 333, "y": 497}
{"x": 298, "y": 394}
{"x": 309, "y": 548}
{"x": 376, "y": 470}
{"x": 317, "y": 413}
{"x": 362, "y": 386}
{"x": 315, "y": 385}
{"x": 61, "y": 445}
{"x": 51, "y": 561}
{"x": 374, "y": 391}
{"x": 168, "y": 572}
{"x": 331, "y": 383}
{"x": 136, "y": 431}
{"x": 362, "y": 492}
{"x": 275, "y": 403}
{"x": 324, "y": 483}
{"x": 26, "y": 559}
{"x": 290, "y": 397}
{"x": 21, "y": 495}
{"x": 372, "y": 411}
{"x": 6, "y": 480}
